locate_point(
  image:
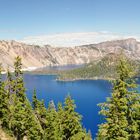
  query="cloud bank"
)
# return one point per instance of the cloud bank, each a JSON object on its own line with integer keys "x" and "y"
{"x": 73, "y": 39}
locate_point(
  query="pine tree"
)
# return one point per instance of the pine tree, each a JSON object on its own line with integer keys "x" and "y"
{"x": 18, "y": 82}
{"x": 72, "y": 120}
{"x": 9, "y": 83}
{"x": 51, "y": 125}
{"x": 59, "y": 119}
{"x": 23, "y": 121}
{"x": 33, "y": 128}
{"x": 18, "y": 119}
{"x": 35, "y": 101}
{"x": 4, "y": 107}
{"x": 61, "y": 131}
{"x": 81, "y": 136}
{"x": 122, "y": 109}
{"x": 40, "y": 110}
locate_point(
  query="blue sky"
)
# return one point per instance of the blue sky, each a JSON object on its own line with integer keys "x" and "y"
{"x": 23, "y": 18}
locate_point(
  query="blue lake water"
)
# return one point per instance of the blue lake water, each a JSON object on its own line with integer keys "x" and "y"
{"x": 87, "y": 94}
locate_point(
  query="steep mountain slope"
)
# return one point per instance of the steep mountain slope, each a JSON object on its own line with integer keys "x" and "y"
{"x": 102, "y": 69}
{"x": 35, "y": 56}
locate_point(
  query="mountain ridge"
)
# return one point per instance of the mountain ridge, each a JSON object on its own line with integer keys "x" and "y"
{"x": 34, "y": 56}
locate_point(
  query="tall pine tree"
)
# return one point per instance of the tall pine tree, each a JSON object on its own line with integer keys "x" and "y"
{"x": 71, "y": 120}
{"x": 122, "y": 109}
{"x": 9, "y": 83}
{"x": 19, "y": 84}
{"x": 23, "y": 121}
{"x": 50, "y": 131}
{"x": 40, "y": 111}
{"x": 4, "y": 106}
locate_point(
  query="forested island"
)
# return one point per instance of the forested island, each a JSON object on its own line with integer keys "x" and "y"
{"x": 99, "y": 69}
{"x": 20, "y": 119}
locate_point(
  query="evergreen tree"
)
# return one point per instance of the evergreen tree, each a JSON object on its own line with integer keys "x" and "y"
{"x": 39, "y": 123}
{"x": 81, "y": 136}
{"x": 40, "y": 111}
{"x": 35, "y": 101}
{"x": 23, "y": 121}
{"x": 51, "y": 125}
{"x": 59, "y": 119}
{"x": 18, "y": 119}
{"x": 19, "y": 88}
{"x": 122, "y": 109}
{"x": 72, "y": 120}
{"x": 9, "y": 83}
{"x": 4, "y": 107}
{"x": 33, "y": 128}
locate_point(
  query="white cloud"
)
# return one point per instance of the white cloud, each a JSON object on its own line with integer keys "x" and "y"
{"x": 74, "y": 39}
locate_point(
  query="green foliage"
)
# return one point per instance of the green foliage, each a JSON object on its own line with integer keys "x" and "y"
{"x": 4, "y": 105}
{"x": 19, "y": 88}
{"x": 122, "y": 109}
{"x": 51, "y": 122}
{"x": 35, "y": 101}
{"x": 22, "y": 120}
{"x": 64, "y": 123}
{"x": 39, "y": 110}
{"x": 9, "y": 83}
{"x": 36, "y": 122}
{"x": 71, "y": 122}
{"x": 81, "y": 136}
{"x": 59, "y": 123}
{"x": 102, "y": 69}
{"x": 18, "y": 66}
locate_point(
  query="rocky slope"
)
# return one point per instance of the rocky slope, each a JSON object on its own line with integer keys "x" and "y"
{"x": 35, "y": 56}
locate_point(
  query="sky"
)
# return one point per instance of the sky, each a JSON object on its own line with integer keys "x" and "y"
{"x": 69, "y": 22}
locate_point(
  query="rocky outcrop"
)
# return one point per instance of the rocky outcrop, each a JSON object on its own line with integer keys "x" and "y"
{"x": 36, "y": 56}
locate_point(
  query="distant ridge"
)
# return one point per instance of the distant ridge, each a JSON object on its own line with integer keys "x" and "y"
{"x": 34, "y": 56}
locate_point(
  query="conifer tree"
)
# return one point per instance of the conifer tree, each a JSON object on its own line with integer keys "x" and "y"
{"x": 4, "y": 108}
{"x": 59, "y": 119}
{"x": 19, "y": 84}
{"x": 51, "y": 125}
{"x": 72, "y": 120}
{"x": 35, "y": 100}
{"x": 33, "y": 128}
{"x": 9, "y": 83}
{"x": 122, "y": 109}
{"x": 81, "y": 136}
{"x": 39, "y": 110}
{"x": 39, "y": 123}
{"x": 23, "y": 121}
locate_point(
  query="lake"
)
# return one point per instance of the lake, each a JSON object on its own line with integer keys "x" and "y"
{"x": 86, "y": 93}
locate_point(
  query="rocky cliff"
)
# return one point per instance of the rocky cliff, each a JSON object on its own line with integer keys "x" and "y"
{"x": 36, "y": 56}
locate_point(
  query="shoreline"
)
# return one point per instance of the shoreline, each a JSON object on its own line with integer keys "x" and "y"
{"x": 82, "y": 79}
{"x": 28, "y": 69}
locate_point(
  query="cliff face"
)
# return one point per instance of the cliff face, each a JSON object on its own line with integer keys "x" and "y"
{"x": 35, "y": 56}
